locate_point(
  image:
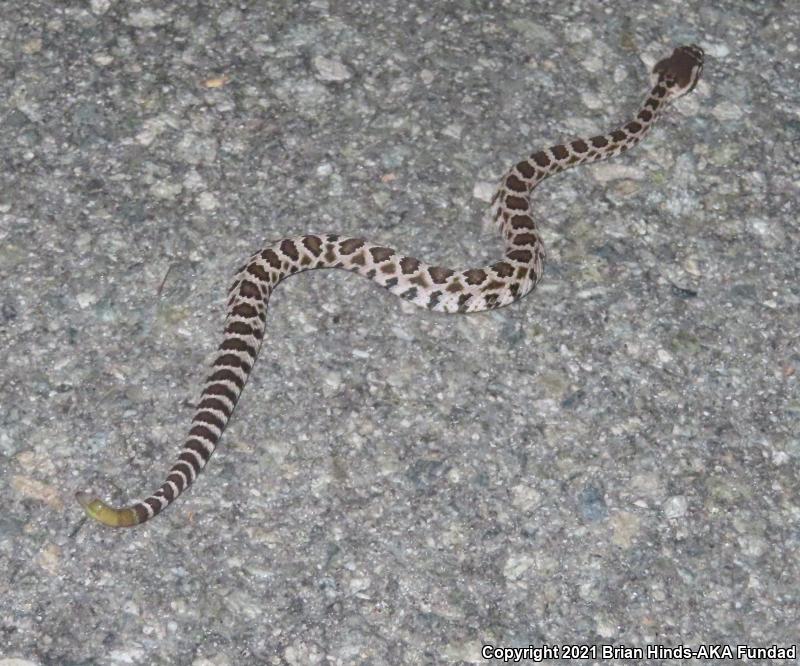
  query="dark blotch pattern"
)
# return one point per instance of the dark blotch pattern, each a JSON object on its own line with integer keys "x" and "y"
{"x": 258, "y": 272}
{"x": 475, "y": 276}
{"x": 197, "y": 446}
{"x": 242, "y": 328}
{"x": 224, "y": 374}
{"x": 271, "y": 258}
{"x": 420, "y": 281}
{"x": 541, "y": 158}
{"x": 526, "y": 169}
{"x": 244, "y": 310}
{"x": 214, "y": 403}
{"x": 440, "y": 275}
{"x": 380, "y": 254}
{"x": 351, "y": 245}
{"x": 237, "y": 344}
{"x": 220, "y": 389}
{"x": 409, "y": 265}
{"x": 231, "y": 361}
{"x": 522, "y": 222}
{"x": 289, "y": 249}
{"x": 525, "y": 239}
{"x": 516, "y": 203}
{"x": 210, "y": 418}
{"x": 503, "y": 269}
{"x": 190, "y": 463}
{"x": 202, "y": 431}
{"x": 177, "y": 479}
{"x": 249, "y": 289}
{"x": 185, "y": 467}
{"x": 515, "y": 184}
{"x": 523, "y": 256}
{"x": 313, "y": 244}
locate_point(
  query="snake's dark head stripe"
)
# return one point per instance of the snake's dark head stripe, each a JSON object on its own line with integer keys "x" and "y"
{"x": 681, "y": 71}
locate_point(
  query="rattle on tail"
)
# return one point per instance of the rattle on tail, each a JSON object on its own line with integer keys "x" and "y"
{"x": 433, "y": 287}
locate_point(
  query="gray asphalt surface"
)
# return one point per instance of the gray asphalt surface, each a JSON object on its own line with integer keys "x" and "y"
{"x": 612, "y": 461}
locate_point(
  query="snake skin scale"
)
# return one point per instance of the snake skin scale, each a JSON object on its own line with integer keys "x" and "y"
{"x": 432, "y": 287}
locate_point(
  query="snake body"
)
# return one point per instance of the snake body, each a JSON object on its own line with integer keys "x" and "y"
{"x": 433, "y": 287}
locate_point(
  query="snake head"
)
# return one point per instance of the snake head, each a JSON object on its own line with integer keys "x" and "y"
{"x": 681, "y": 71}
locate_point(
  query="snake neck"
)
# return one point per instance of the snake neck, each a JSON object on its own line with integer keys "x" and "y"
{"x": 516, "y": 186}
{"x": 604, "y": 146}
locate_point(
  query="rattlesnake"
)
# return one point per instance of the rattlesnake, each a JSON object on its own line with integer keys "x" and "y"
{"x": 432, "y": 287}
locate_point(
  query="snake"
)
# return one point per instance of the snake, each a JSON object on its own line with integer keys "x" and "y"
{"x": 432, "y": 287}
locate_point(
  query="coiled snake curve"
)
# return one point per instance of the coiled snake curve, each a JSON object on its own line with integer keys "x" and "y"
{"x": 432, "y": 287}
